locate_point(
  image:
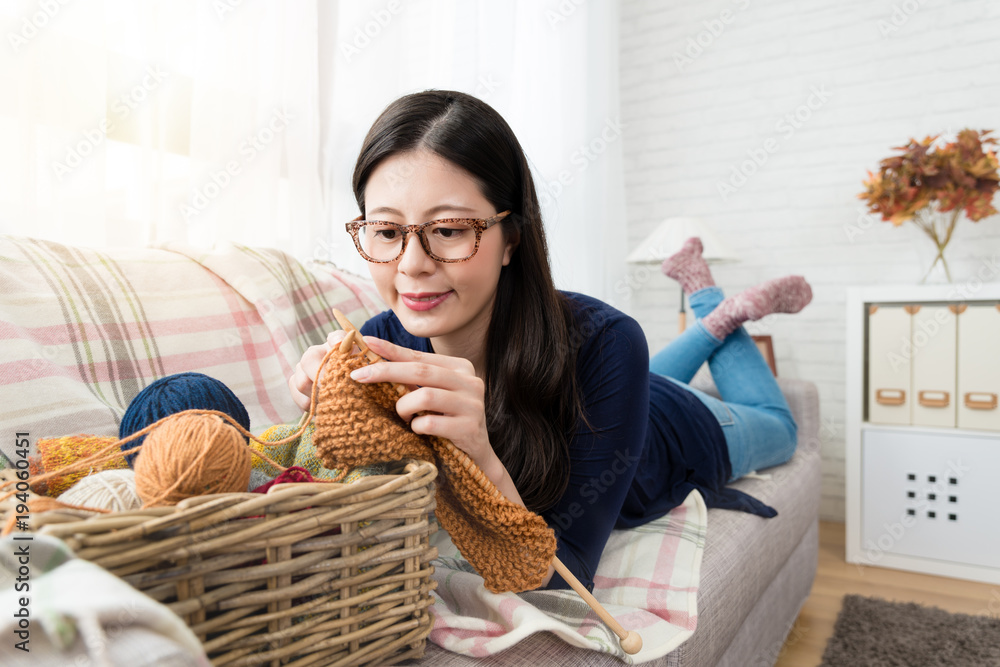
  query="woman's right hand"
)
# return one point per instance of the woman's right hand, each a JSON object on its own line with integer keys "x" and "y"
{"x": 301, "y": 382}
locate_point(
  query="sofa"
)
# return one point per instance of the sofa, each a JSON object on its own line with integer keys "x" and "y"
{"x": 84, "y": 330}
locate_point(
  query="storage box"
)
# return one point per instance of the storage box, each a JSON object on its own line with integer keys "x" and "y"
{"x": 979, "y": 367}
{"x": 890, "y": 357}
{"x": 932, "y": 387}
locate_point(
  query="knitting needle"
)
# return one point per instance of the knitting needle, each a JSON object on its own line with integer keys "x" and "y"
{"x": 354, "y": 336}
{"x": 629, "y": 640}
{"x": 358, "y": 340}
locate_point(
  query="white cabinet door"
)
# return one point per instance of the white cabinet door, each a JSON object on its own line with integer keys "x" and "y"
{"x": 979, "y": 367}
{"x": 930, "y": 495}
{"x": 889, "y": 363}
{"x": 933, "y": 387}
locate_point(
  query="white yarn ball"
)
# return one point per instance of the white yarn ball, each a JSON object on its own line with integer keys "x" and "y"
{"x": 108, "y": 490}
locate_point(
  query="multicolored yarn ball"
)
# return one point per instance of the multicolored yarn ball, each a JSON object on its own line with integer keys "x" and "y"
{"x": 191, "y": 455}
{"x": 55, "y": 454}
{"x": 301, "y": 452}
{"x": 176, "y": 393}
{"x": 112, "y": 490}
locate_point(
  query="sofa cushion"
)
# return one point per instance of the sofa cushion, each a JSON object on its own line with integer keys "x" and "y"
{"x": 85, "y": 330}
{"x": 744, "y": 553}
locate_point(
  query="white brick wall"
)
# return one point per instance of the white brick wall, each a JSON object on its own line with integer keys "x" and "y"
{"x": 892, "y": 69}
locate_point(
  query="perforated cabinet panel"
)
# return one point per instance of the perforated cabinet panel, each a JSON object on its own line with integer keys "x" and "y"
{"x": 930, "y": 496}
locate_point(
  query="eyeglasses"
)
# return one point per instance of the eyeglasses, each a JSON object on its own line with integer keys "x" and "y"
{"x": 451, "y": 240}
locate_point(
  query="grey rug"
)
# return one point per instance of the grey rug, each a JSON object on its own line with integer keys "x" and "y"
{"x": 871, "y": 632}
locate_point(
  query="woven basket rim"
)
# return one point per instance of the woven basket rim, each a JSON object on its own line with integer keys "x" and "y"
{"x": 190, "y": 507}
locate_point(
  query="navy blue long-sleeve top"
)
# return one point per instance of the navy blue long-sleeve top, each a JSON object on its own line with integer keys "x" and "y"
{"x": 648, "y": 443}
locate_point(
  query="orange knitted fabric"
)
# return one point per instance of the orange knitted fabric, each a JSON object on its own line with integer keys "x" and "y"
{"x": 356, "y": 424}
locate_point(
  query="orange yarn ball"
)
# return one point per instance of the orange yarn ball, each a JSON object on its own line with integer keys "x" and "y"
{"x": 191, "y": 455}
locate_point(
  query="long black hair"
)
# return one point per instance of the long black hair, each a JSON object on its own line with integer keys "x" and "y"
{"x": 533, "y": 405}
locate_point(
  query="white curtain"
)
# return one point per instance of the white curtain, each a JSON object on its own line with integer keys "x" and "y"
{"x": 135, "y": 122}
{"x": 549, "y": 67}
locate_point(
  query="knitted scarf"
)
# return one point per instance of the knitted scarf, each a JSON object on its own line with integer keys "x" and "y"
{"x": 357, "y": 424}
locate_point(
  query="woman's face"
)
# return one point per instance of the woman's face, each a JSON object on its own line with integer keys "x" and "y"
{"x": 452, "y": 301}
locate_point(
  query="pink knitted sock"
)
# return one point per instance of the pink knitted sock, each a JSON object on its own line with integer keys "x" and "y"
{"x": 780, "y": 295}
{"x": 687, "y": 267}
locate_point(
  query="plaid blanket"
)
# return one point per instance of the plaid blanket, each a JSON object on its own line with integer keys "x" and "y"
{"x": 647, "y": 579}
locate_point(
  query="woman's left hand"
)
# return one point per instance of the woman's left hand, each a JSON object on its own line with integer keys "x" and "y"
{"x": 446, "y": 388}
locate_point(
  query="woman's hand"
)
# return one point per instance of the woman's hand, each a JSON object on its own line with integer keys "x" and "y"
{"x": 444, "y": 387}
{"x": 447, "y": 400}
{"x": 301, "y": 382}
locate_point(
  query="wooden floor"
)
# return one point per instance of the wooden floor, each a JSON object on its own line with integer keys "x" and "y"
{"x": 835, "y": 577}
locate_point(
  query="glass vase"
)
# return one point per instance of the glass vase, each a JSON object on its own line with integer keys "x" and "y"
{"x": 933, "y": 266}
{"x": 934, "y": 235}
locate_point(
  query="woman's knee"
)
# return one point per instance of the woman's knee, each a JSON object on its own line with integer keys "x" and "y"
{"x": 792, "y": 435}
{"x": 783, "y": 436}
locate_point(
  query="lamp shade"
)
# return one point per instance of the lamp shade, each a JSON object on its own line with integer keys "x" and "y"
{"x": 670, "y": 235}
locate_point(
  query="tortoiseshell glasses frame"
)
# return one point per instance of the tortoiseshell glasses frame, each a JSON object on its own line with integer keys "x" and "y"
{"x": 479, "y": 225}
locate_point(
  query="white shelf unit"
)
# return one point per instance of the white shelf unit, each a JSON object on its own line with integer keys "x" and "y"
{"x": 966, "y": 549}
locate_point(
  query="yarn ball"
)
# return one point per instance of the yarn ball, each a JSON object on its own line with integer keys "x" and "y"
{"x": 55, "y": 454}
{"x": 191, "y": 455}
{"x": 112, "y": 490}
{"x": 176, "y": 393}
{"x": 301, "y": 452}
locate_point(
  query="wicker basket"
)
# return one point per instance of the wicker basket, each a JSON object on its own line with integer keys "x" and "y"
{"x": 308, "y": 574}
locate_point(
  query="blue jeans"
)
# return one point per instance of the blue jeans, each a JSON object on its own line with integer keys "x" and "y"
{"x": 759, "y": 428}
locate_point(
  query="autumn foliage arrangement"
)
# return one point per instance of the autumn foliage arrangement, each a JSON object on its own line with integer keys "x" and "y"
{"x": 934, "y": 184}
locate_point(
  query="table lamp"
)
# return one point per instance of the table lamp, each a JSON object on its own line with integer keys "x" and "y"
{"x": 667, "y": 239}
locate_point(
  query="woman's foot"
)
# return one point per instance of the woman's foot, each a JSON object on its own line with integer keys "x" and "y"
{"x": 687, "y": 267}
{"x": 781, "y": 295}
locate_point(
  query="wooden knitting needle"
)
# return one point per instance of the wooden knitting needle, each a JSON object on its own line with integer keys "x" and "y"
{"x": 629, "y": 640}
{"x": 354, "y": 337}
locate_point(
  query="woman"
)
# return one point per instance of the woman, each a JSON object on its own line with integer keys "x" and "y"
{"x": 549, "y": 392}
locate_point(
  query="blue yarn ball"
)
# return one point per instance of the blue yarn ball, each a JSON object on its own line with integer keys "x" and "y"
{"x": 176, "y": 393}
